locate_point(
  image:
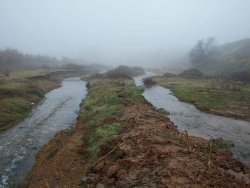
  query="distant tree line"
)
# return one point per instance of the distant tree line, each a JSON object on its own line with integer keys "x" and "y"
{"x": 10, "y": 57}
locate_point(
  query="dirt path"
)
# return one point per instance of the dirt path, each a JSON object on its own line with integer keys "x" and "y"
{"x": 150, "y": 155}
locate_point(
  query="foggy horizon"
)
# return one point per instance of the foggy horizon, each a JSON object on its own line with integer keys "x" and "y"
{"x": 120, "y": 32}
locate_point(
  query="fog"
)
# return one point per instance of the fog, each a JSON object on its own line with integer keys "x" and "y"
{"x": 131, "y": 32}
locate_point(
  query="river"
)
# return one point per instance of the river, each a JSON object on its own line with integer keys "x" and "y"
{"x": 19, "y": 144}
{"x": 197, "y": 123}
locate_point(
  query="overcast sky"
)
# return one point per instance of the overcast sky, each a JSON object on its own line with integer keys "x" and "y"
{"x": 119, "y": 31}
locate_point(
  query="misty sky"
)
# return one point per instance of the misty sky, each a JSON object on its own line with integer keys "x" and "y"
{"x": 120, "y": 31}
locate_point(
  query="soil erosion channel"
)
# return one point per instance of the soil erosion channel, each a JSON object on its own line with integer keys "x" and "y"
{"x": 19, "y": 144}
{"x": 197, "y": 123}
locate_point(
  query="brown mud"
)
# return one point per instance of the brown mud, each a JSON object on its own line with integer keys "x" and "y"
{"x": 149, "y": 155}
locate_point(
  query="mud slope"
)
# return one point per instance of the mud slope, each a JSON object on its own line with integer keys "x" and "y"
{"x": 115, "y": 115}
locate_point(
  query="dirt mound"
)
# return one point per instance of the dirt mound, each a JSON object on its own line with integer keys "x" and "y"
{"x": 192, "y": 74}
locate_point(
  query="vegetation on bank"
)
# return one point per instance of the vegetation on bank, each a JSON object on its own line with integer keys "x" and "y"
{"x": 118, "y": 138}
{"x": 121, "y": 71}
{"x": 25, "y": 78}
{"x": 106, "y": 99}
{"x": 148, "y": 81}
{"x": 23, "y": 89}
{"x": 220, "y": 97}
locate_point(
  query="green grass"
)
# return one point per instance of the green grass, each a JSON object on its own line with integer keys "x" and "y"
{"x": 219, "y": 143}
{"x": 19, "y": 91}
{"x": 209, "y": 95}
{"x": 196, "y": 93}
{"x": 103, "y": 134}
{"x": 100, "y": 109}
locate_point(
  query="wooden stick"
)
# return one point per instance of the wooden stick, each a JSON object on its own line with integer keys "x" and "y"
{"x": 109, "y": 153}
{"x": 103, "y": 157}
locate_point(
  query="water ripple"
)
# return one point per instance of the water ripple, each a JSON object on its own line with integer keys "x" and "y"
{"x": 20, "y": 143}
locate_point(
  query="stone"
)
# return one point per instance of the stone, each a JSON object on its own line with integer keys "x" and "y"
{"x": 93, "y": 178}
{"x": 84, "y": 179}
{"x": 121, "y": 174}
{"x": 237, "y": 169}
{"x": 111, "y": 170}
{"x": 245, "y": 170}
{"x": 111, "y": 181}
{"x": 99, "y": 166}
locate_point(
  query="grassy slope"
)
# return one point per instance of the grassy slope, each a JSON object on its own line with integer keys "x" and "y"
{"x": 228, "y": 99}
{"x": 234, "y": 57}
{"x": 105, "y": 99}
{"x": 238, "y": 49}
{"x": 23, "y": 88}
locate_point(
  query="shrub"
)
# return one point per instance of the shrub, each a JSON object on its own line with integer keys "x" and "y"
{"x": 169, "y": 75}
{"x": 148, "y": 81}
{"x": 124, "y": 72}
{"x": 6, "y": 72}
{"x": 191, "y": 73}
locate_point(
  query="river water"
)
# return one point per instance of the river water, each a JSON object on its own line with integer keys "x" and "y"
{"x": 201, "y": 124}
{"x": 19, "y": 144}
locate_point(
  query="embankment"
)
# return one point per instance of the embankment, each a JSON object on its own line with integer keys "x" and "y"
{"x": 219, "y": 97}
{"x": 121, "y": 140}
{"x": 22, "y": 90}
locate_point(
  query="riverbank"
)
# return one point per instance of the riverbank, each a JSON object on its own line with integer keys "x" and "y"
{"x": 24, "y": 89}
{"x": 121, "y": 140}
{"x": 220, "y": 97}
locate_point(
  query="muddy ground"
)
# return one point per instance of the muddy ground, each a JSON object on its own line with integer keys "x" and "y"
{"x": 145, "y": 153}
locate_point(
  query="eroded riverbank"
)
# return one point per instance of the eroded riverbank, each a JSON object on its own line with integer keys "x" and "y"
{"x": 19, "y": 144}
{"x": 198, "y": 123}
{"x": 24, "y": 89}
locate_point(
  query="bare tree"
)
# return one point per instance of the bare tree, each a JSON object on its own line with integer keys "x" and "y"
{"x": 203, "y": 53}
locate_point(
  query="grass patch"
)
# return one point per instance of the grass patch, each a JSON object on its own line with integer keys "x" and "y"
{"x": 22, "y": 88}
{"x": 100, "y": 111}
{"x": 226, "y": 98}
{"x": 222, "y": 144}
{"x": 101, "y": 135}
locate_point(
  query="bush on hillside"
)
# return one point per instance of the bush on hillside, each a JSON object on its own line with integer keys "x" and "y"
{"x": 169, "y": 75}
{"x": 124, "y": 72}
{"x": 192, "y": 74}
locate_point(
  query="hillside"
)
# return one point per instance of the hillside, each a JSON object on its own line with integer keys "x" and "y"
{"x": 233, "y": 57}
{"x": 239, "y": 50}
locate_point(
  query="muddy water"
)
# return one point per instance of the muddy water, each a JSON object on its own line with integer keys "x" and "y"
{"x": 197, "y": 123}
{"x": 19, "y": 144}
